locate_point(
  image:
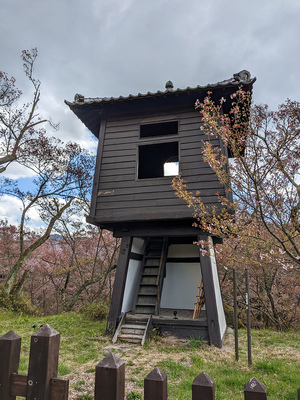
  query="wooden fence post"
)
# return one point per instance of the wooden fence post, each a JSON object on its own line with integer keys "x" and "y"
{"x": 155, "y": 385}
{"x": 10, "y": 347}
{"x": 43, "y": 362}
{"x": 110, "y": 379}
{"x": 203, "y": 387}
{"x": 255, "y": 390}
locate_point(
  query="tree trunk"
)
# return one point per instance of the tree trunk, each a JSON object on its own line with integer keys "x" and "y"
{"x": 63, "y": 292}
{"x": 85, "y": 285}
{"x": 9, "y": 284}
{"x": 18, "y": 287}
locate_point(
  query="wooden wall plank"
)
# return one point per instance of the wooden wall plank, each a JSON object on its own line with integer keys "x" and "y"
{"x": 98, "y": 166}
{"x": 133, "y": 201}
{"x": 132, "y": 196}
{"x": 210, "y": 190}
{"x": 145, "y": 184}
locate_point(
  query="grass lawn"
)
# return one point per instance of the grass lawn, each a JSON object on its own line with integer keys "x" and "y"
{"x": 275, "y": 355}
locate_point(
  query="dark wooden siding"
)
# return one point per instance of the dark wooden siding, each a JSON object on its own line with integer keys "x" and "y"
{"x": 121, "y": 196}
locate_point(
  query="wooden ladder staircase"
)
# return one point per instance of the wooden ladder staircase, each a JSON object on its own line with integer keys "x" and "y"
{"x": 152, "y": 275}
{"x": 200, "y": 301}
{"x": 133, "y": 329}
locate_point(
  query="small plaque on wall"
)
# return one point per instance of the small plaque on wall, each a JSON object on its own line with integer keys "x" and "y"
{"x": 106, "y": 192}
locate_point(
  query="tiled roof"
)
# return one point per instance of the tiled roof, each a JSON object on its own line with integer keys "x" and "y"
{"x": 242, "y": 77}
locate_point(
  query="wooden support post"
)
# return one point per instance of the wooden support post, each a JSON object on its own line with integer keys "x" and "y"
{"x": 248, "y": 317}
{"x": 119, "y": 285}
{"x": 10, "y": 347}
{"x": 155, "y": 385}
{"x": 236, "y": 323}
{"x": 43, "y": 363}
{"x": 255, "y": 390}
{"x": 210, "y": 297}
{"x": 110, "y": 379}
{"x": 298, "y": 394}
{"x": 203, "y": 387}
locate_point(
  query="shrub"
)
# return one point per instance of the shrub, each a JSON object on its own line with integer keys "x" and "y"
{"x": 197, "y": 343}
{"x": 95, "y": 311}
{"x": 18, "y": 304}
{"x": 134, "y": 396}
{"x": 229, "y": 314}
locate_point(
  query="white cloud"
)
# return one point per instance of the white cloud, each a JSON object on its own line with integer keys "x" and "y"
{"x": 15, "y": 171}
{"x": 11, "y": 209}
{"x": 111, "y": 48}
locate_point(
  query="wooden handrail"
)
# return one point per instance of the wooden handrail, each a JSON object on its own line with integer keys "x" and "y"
{"x": 159, "y": 279}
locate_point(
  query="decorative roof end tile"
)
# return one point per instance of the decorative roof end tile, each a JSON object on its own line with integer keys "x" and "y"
{"x": 78, "y": 98}
{"x": 242, "y": 76}
{"x": 169, "y": 86}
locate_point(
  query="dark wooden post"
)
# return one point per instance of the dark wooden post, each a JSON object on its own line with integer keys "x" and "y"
{"x": 43, "y": 363}
{"x": 119, "y": 285}
{"x": 298, "y": 394}
{"x": 10, "y": 347}
{"x": 156, "y": 385}
{"x": 110, "y": 379}
{"x": 236, "y": 323}
{"x": 203, "y": 387}
{"x": 210, "y": 297}
{"x": 248, "y": 317}
{"x": 255, "y": 390}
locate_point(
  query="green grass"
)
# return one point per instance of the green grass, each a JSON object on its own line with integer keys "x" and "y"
{"x": 275, "y": 356}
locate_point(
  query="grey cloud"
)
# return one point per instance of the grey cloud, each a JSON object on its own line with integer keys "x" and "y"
{"x": 116, "y": 47}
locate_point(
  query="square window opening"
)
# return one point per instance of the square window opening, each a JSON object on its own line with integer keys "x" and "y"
{"x": 159, "y": 129}
{"x": 158, "y": 160}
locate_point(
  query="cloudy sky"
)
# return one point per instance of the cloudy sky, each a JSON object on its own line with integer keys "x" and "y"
{"x": 103, "y": 48}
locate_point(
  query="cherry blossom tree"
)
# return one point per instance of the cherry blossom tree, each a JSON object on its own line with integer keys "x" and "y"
{"x": 259, "y": 216}
{"x": 63, "y": 179}
{"x": 262, "y": 175}
{"x": 86, "y": 262}
{"x": 274, "y": 283}
{"x": 62, "y": 171}
{"x": 73, "y": 267}
{"x": 19, "y": 124}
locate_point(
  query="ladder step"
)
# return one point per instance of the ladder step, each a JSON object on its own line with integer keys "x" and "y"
{"x": 150, "y": 270}
{"x": 146, "y": 300}
{"x": 137, "y": 320}
{"x": 133, "y": 326}
{"x": 147, "y": 294}
{"x": 150, "y": 262}
{"x": 152, "y": 257}
{"x": 148, "y": 284}
{"x": 130, "y": 336}
{"x": 146, "y": 305}
{"x": 146, "y": 311}
{"x": 149, "y": 280}
{"x": 125, "y": 331}
{"x": 145, "y": 291}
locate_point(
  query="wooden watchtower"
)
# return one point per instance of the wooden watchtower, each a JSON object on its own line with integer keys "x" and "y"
{"x": 145, "y": 140}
